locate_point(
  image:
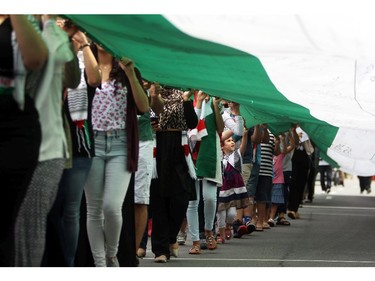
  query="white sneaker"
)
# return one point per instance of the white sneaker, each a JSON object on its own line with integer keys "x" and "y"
{"x": 181, "y": 237}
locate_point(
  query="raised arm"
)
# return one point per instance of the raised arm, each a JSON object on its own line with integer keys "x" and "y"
{"x": 72, "y": 72}
{"x": 32, "y": 47}
{"x": 200, "y": 97}
{"x": 294, "y": 134}
{"x": 243, "y": 142}
{"x": 276, "y": 148}
{"x": 265, "y": 134}
{"x": 236, "y": 125}
{"x": 156, "y": 101}
{"x": 218, "y": 117}
{"x": 256, "y": 137}
{"x": 284, "y": 149}
{"x": 140, "y": 98}
{"x": 291, "y": 145}
{"x": 189, "y": 112}
{"x": 91, "y": 65}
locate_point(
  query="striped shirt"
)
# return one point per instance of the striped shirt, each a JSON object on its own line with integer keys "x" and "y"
{"x": 266, "y": 163}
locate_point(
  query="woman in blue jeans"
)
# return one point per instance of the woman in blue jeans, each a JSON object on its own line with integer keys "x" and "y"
{"x": 114, "y": 120}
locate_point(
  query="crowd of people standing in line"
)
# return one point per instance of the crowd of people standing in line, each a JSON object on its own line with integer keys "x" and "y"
{"x": 104, "y": 152}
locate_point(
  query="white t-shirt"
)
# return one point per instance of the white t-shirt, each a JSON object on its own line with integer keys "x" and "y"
{"x": 48, "y": 100}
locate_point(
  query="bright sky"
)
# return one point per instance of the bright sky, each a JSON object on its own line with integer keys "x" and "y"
{"x": 191, "y": 6}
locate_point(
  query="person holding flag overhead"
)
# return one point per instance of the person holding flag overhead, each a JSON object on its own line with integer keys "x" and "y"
{"x": 206, "y": 141}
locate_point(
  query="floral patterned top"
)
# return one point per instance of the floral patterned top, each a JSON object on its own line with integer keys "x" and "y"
{"x": 109, "y": 107}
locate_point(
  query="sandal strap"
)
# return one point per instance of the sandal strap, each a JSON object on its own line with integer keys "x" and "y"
{"x": 210, "y": 239}
{"x": 195, "y": 249}
{"x": 211, "y": 242}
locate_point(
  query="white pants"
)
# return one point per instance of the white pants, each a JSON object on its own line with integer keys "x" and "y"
{"x": 209, "y": 192}
{"x": 226, "y": 217}
{"x": 143, "y": 175}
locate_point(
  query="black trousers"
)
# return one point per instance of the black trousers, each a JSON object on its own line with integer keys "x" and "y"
{"x": 287, "y": 185}
{"x": 364, "y": 183}
{"x": 20, "y": 137}
{"x": 325, "y": 176}
{"x": 300, "y": 169}
{"x": 167, "y": 216}
{"x": 169, "y": 196}
{"x": 313, "y": 171}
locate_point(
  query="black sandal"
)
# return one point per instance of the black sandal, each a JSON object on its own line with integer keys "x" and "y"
{"x": 282, "y": 221}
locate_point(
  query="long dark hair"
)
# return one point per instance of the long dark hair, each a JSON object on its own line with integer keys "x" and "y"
{"x": 116, "y": 72}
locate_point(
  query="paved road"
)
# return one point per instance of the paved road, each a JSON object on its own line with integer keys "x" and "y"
{"x": 336, "y": 230}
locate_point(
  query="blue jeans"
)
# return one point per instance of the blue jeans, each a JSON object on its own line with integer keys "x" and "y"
{"x": 105, "y": 192}
{"x": 65, "y": 212}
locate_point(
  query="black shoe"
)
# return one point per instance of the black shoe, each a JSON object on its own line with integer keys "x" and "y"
{"x": 203, "y": 244}
{"x": 239, "y": 229}
{"x": 202, "y": 238}
{"x": 328, "y": 190}
{"x": 250, "y": 227}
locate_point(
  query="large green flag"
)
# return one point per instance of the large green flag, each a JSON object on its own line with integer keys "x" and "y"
{"x": 281, "y": 69}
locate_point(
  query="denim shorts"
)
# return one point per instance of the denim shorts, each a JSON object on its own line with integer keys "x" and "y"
{"x": 278, "y": 193}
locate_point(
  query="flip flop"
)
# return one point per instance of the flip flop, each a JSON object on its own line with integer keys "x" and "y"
{"x": 195, "y": 250}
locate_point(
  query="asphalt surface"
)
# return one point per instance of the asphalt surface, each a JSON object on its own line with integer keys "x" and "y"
{"x": 335, "y": 230}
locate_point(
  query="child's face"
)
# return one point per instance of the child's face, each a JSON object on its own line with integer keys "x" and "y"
{"x": 229, "y": 145}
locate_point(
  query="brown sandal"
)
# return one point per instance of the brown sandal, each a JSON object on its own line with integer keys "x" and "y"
{"x": 195, "y": 250}
{"x": 211, "y": 242}
{"x": 228, "y": 233}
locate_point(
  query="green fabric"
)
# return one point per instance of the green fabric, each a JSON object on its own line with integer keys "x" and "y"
{"x": 144, "y": 127}
{"x": 207, "y": 158}
{"x": 166, "y": 55}
{"x": 6, "y": 91}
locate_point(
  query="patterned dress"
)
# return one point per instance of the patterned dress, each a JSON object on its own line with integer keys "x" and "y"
{"x": 233, "y": 192}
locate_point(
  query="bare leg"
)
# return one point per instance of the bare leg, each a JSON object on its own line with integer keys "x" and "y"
{"x": 140, "y": 212}
{"x": 273, "y": 211}
{"x": 261, "y": 206}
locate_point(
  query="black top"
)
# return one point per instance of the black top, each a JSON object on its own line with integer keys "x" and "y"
{"x": 6, "y": 54}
